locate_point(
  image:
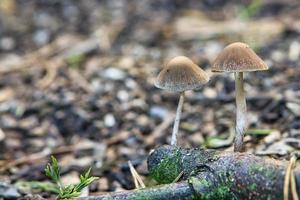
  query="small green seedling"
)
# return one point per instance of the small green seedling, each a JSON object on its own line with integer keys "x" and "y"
{"x": 251, "y": 10}
{"x": 69, "y": 191}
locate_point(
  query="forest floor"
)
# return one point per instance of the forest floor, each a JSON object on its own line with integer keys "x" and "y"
{"x": 76, "y": 82}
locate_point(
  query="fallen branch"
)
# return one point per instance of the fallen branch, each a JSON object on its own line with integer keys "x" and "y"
{"x": 43, "y": 155}
{"x": 181, "y": 190}
{"x": 160, "y": 129}
{"x": 208, "y": 174}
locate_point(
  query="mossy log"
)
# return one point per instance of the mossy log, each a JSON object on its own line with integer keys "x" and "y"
{"x": 209, "y": 174}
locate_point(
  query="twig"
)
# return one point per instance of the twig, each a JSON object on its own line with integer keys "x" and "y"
{"x": 38, "y": 156}
{"x": 2, "y": 135}
{"x": 159, "y": 129}
{"x": 26, "y": 159}
{"x": 117, "y": 138}
{"x": 51, "y": 72}
{"x": 178, "y": 177}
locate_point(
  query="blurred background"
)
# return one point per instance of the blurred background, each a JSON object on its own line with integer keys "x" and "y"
{"x": 76, "y": 81}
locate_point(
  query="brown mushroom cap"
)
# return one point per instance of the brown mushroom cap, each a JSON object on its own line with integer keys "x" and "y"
{"x": 238, "y": 57}
{"x": 181, "y": 74}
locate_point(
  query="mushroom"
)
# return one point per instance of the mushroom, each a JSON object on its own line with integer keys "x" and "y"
{"x": 179, "y": 75}
{"x": 238, "y": 58}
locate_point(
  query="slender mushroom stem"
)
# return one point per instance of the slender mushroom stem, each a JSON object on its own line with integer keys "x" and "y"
{"x": 241, "y": 112}
{"x": 177, "y": 119}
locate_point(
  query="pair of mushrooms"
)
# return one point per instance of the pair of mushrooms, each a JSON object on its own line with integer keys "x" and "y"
{"x": 181, "y": 74}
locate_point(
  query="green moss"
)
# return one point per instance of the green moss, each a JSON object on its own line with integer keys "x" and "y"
{"x": 211, "y": 192}
{"x": 269, "y": 197}
{"x": 239, "y": 163}
{"x": 215, "y": 157}
{"x": 253, "y": 169}
{"x": 193, "y": 196}
{"x": 198, "y": 183}
{"x": 108, "y": 198}
{"x": 141, "y": 195}
{"x": 168, "y": 169}
{"x": 265, "y": 171}
{"x": 270, "y": 173}
{"x": 75, "y": 60}
{"x": 221, "y": 192}
{"x": 253, "y": 186}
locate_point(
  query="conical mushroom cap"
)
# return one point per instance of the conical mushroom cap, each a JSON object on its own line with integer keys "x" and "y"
{"x": 181, "y": 74}
{"x": 238, "y": 57}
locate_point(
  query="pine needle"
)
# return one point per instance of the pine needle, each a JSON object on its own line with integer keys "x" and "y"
{"x": 138, "y": 182}
{"x": 290, "y": 180}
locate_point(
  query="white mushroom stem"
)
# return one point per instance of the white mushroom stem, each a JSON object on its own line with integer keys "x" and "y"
{"x": 241, "y": 112}
{"x": 177, "y": 119}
